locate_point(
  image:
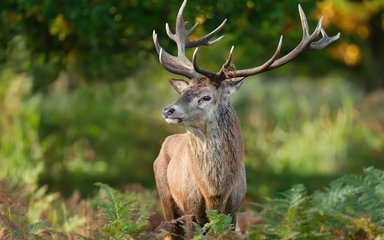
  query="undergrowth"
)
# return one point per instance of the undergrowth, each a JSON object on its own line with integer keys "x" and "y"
{"x": 125, "y": 215}
{"x": 352, "y": 207}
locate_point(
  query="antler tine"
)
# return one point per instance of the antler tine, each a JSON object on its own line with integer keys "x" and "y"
{"x": 206, "y": 39}
{"x": 180, "y": 26}
{"x": 215, "y": 77}
{"x": 171, "y": 63}
{"x": 176, "y": 64}
{"x": 307, "y": 42}
{"x": 182, "y": 33}
{"x": 169, "y": 33}
{"x": 193, "y": 28}
{"x": 180, "y": 64}
{"x": 324, "y": 41}
{"x": 229, "y": 58}
{"x": 259, "y": 69}
{"x": 304, "y": 22}
{"x": 225, "y": 66}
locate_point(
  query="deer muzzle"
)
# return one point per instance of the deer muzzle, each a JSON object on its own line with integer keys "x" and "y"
{"x": 171, "y": 116}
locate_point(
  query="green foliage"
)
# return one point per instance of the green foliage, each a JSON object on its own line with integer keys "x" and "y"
{"x": 126, "y": 215}
{"x": 355, "y": 198}
{"x": 20, "y": 149}
{"x": 284, "y": 217}
{"x": 304, "y": 132}
{"x": 107, "y": 40}
{"x": 219, "y": 226}
{"x": 218, "y": 223}
{"x": 352, "y": 207}
{"x": 107, "y": 132}
{"x": 30, "y": 214}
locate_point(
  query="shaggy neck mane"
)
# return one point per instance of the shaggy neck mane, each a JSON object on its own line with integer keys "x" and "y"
{"x": 217, "y": 147}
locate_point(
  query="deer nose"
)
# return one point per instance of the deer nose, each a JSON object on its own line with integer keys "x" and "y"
{"x": 168, "y": 111}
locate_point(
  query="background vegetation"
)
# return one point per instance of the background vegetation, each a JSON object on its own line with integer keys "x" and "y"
{"x": 81, "y": 94}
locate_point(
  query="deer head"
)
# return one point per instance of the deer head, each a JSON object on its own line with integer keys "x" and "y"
{"x": 207, "y": 91}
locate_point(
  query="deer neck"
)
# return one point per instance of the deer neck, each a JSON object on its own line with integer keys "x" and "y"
{"x": 217, "y": 152}
{"x": 219, "y": 139}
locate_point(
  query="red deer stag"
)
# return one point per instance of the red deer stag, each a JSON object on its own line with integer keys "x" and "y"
{"x": 203, "y": 168}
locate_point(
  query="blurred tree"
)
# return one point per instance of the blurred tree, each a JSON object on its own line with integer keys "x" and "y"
{"x": 361, "y": 46}
{"x": 106, "y": 40}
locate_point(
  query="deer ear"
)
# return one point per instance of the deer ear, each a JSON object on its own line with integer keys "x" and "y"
{"x": 232, "y": 85}
{"x": 179, "y": 85}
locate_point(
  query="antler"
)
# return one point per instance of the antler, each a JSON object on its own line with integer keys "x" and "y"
{"x": 180, "y": 64}
{"x": 307, "y": 42}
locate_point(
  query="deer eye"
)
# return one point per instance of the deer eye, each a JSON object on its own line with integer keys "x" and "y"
{"x": 206, "y": 98}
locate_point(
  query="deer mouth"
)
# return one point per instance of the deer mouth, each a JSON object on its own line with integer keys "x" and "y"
{"x": 173, "y": 120}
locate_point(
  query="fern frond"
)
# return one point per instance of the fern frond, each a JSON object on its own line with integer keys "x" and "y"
{"x": 350, "y": 206}
{"x": 126, "y": 215}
